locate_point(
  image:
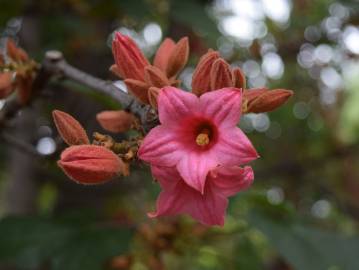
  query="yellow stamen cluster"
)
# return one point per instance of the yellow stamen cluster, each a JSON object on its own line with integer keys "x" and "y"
{"x": 202, "y": 139}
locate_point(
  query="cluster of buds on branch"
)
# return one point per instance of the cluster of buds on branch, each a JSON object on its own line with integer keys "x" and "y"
{"x": 17, "y": 72}
{"x": 197, "y": 153}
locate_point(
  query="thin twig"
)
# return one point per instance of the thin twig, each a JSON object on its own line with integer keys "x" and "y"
{"x": 55, "y": 64}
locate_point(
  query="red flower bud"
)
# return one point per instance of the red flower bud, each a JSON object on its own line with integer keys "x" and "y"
{"x": 220, "y": 75}
{"x": 201, "y": 76}
{"x": 6, "y": 86}
{"x": 114, "y": 69}
{"x": 163, "y": 54}
{"x": 90, "y": 164}
{"x": 155, "y": 77}
{"x": 69, "y": 128}
{"x": 153, "y": 93}
{"x": 138, "y": 88}
{"x": 15, "y": 53}
{"x": 129, "y": 59}
{"x": 239, "y": 80}
{"x": 178, "y": 57}
{"x": 267, "y": 100}
{"x": 115, "y": 121}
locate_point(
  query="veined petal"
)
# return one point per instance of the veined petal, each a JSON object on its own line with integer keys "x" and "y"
{"x": 223, "y": 106}
{"x": 228, "y": 181}
{"x": 163, "y": 53}
{"x": 161, "y": 147}
{"x": 234, "y": 148}
{"x": 168, "y": 177}
{"x": 175, "y": 104}
{"x": 179, "y": 198}
{"x": 194, "y": 167}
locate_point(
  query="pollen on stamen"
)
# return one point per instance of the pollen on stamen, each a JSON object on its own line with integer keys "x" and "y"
{"x": 202, "y": 139}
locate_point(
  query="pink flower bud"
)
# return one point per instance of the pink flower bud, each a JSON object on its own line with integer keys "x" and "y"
{"x": 15, "y": 53}
{"x": 178, "y": 57}
{"x": 153, "y": 93}
{"x": 163, "y": 54}
{"x": 69, "y": 128}
{"x": 220, "y": 75}
{"x": 138, "y": 88}
{"x": 90, "y": 164}
{"x": 128, "y": 57}
{"x": 6, "y": 86}
{"x": 268, "y": 100}
{"x": 239, "y": 80}
{"x": 115, "y": 121}
{"x": 155, "y": 77}
{"x": 201, "y": 77}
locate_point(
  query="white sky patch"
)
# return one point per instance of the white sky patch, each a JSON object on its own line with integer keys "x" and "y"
{"x": 331, "y": 78}
{"x": 351, "y": 39}
{"x": 152, "y": 33}
{"x": 46, "y": 146}
{"x": 277, "y": 10}
{"x": 273, "y": 65}
{"x": 239, "y": 27}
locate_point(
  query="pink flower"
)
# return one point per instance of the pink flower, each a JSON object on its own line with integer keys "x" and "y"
{"x": 208, "y": 208}
{"x": 197, "y": 134}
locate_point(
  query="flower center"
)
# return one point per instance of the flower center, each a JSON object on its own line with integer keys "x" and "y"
{"x": 202, "y": 138}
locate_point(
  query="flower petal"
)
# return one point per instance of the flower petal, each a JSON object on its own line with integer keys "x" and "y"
{"x": 161, "y": 147}
{"x": 166, "y": 176}
{"x": 194, "y": 167}
{"x": 234, "y": 148}
{"x": 223, "y": 106}
{"x": 179, "y": 198}
{"x": 175, "y": 104}
{"x": 228, "y": 181}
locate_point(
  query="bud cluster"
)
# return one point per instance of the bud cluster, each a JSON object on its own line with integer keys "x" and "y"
{"x": 197, "y": 153}
{"x": 17, "y": 73}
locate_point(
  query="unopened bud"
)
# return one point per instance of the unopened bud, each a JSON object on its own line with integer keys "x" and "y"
{"x": 268, "y": 101}
{"x": 69, "y": 128}
{"x": 153, "y": 93}
{"x": 178, "y": 57}
{"x": 155, "y": 77}
{"x": 90, "y": 164}
{"x": 239, "y": 80}
{"x": 138, "y": 88}
{"x": 128, "y": 57}
{"x": 15, "y": 53}
{"x": 220, "y": 75}
{"x": 163, "y": 54}
{"x": 6, "y": 85}
{"x": 114, "y": 69}
{"x": 115, "y": 121}
{"x": 201, "y": 76}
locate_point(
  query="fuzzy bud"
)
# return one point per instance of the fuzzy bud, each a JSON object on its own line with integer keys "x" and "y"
{"x": 178, "y": 57}
{"x": 6, "y": 86}
{"x": 15, "y": 53}
{"x": 138, "y": 88}
{"x": 239, "y": 80}
{"x": 268, "y": 100}
{"x": 115, "y": 121}
{"x": 201, "y": 77}
{"x": 220, "y": 75}
{"x": 114, "y": 69}
{"x": 153, "y": 93}
{"x": 163, "y": 54}
{"x": 128, "y": 57}
{"x": 155, "y": 77}
{"x": 90, "y": 164}
{"x": 69, "y": 128}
